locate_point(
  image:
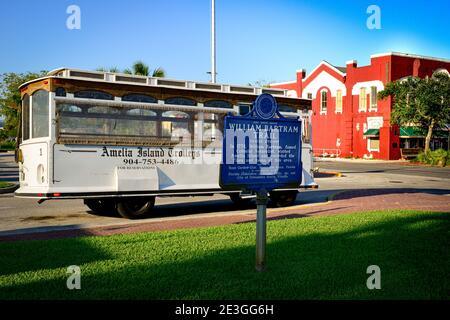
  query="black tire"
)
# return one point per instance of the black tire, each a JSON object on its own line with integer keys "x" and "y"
{"x": 102, "y": 207}
{"x": 135, "y": 207}
{"x": 283, "y": 198}
{"x": 238, "y": 200}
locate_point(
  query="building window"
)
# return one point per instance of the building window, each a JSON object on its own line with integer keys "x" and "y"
{"x": 39, "y": 114}
{"x": 309, "y": 95}
{"x": 26, "y": 117}
{"x": 373, "y": 99}
{"x": 323, "y": 102}
{"x": 374, "y": 144}
{"x": 339, "y": 101}
{"x": 362, "y": 100}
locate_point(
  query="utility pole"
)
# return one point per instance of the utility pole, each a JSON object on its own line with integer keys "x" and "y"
{"x": 213, "y": 41}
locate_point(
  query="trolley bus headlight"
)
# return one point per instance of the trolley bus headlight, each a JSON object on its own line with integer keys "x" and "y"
{"x": 20, "y": 156}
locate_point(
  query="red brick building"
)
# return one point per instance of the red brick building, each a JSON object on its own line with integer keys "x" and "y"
{"x": 348, "y": 120}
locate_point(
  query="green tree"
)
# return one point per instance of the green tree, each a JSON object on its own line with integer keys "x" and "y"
{"x": 10, "y": 100}
{"x": 421, "y": 102}
{"x": 139, "y": 68}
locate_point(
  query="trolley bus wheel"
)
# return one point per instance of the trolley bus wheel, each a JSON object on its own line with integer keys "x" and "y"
{"x": 283, "y": 198}
{"x": 135, "y": 207}
{"x": 101, "y": 206}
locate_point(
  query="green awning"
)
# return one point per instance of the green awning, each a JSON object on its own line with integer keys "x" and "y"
{"x": 416, "y": 132}
{"x": 372, "y": 133}
{"x": 411, "y": 132}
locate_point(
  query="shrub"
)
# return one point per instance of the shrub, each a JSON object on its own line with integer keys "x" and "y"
{"x": 7, "y": 145}
{"x": 439, "y": 157}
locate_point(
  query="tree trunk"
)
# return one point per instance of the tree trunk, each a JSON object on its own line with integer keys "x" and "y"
{"x": 428, "y": 137}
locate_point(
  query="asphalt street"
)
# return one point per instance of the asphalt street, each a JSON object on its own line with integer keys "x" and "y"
{"x": 25, "y": 215}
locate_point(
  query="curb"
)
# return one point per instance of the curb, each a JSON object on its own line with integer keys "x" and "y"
{"x": 333, "y": 173}
{"x": 332, "y": 196}
{"x": 9, "y": 189}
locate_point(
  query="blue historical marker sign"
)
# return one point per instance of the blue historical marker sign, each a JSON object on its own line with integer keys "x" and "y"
{"x": 261, "y": 150}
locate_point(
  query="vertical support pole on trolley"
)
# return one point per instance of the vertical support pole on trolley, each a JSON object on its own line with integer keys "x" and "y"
{"x": 261, "y": 205}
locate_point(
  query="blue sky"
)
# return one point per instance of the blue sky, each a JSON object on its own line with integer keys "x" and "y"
{"x": 256, "y": 39}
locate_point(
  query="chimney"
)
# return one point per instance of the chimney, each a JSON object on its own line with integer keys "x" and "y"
{"x": 301, "y": 74}
{"x": 351, "y": 64}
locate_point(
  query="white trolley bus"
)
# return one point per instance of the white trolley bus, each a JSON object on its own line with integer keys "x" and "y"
{"x": 118, "y": 141}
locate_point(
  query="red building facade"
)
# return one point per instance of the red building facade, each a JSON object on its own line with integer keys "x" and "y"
{"x": 347, "y": 118}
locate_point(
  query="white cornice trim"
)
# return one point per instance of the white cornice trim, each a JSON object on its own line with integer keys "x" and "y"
{"x": 323, "y": 62}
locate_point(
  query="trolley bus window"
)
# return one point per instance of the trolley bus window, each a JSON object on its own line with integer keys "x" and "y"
{"x": 103, "y": 120}
{"x": 60, "y": 92}
{"x": 93, "y": 95}
{"x": 39, "y": 114}
{"x": 26, "y": 117}
{"x": 134, "y": 97}
{"x": 181, "y": 101}
{"x": 218, "y": 104}
{"x": 174, "y": 120}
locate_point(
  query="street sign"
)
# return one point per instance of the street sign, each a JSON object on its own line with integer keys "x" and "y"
{"x": 261, "y": 152}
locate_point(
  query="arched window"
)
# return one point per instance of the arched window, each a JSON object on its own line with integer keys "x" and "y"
{"x": 175, "y": 114}
{"x": 442, "y": 71}
{"x": 39, "y": 114}
{"x": 105, "y": 110}
{"x": 60, "y": 92}
{"x": 86, "y": 94}
{"x": 181, "y": 101}
{"x": 139, "y": 98}
{"x": 323, "y": 101}
{"x": 26, "y": 117}
{"x": 218, "y": 104}
{"x": 69, "y": 108}
{"x": 141, "y": 112}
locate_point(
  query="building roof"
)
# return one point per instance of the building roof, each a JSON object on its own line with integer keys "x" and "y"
{"x": 341, "y": 69}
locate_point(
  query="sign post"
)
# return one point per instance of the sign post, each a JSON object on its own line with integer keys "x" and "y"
{"x": 261, "y": 205}
{"x": 261, "y": 152}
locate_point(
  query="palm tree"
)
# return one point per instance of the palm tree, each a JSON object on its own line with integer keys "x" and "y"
{"x": 138, "y": 68}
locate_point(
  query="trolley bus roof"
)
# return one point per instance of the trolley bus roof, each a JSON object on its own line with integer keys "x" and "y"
{"x": 171, "y": 85}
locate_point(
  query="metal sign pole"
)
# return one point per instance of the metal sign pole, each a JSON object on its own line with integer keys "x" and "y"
{"x": 261, "y": 205}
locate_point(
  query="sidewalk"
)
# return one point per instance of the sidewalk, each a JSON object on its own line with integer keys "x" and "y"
{"x": 341, "y": 203}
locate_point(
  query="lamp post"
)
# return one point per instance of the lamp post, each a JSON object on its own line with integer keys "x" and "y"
{"x": 213, "y": 41}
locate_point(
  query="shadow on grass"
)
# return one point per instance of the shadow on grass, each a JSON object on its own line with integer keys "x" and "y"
{"x": 29, "y": 256}
{"x": 324, "y": 262}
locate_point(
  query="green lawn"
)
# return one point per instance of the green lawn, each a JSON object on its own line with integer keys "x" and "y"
{"x": 308, "y": 258}
{"x": 5, "y": 184}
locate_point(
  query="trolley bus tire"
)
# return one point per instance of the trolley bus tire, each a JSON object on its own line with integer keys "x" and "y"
{"x": 283, "y": 198}
{"x": 101, "y": 206}
{"x": 136, "y": 207}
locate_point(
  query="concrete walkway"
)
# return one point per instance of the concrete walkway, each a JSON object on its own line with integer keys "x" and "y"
{"x": 342, "y": 202}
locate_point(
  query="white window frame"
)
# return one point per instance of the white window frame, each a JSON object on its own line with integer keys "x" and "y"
{"x": 373, "y": 107}
{"x": 362, "y": 100}
{"x": 368, "y": 145}
{"x": 321, "y": 101}
{"x": 339, "y": 101}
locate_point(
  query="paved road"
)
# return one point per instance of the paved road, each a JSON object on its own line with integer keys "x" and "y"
{"x": 23, "y": 215}
{"x": 393, "y": 167}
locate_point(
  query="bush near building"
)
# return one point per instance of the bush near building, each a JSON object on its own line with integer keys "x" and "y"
{"x": 438, "y": 157}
